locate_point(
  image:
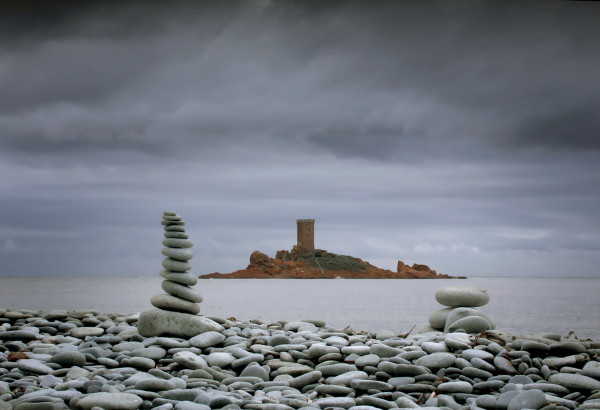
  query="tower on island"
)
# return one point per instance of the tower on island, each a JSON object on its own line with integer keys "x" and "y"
{"x": 306, "y": 235}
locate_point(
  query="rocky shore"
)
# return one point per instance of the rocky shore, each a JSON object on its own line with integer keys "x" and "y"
{"x": 85, "y": 360}
{"x": 320, "y": 264}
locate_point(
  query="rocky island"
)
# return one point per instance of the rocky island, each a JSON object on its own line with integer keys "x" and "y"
{"x": 306, "y": 262}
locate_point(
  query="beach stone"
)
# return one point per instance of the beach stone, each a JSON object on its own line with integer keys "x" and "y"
{"x": 367, "y": 360}
{"x": 207, "y": 339}
{"x": 360, "y": 384}
{"x": 185, "y": 278}
{"x": 154, "y": 353}
{"x": 155, "y": 384}
{"x": 464, "y": 312}
{"x": 436, "y": 360}
{"x": 176, "y": 266}
{"x": 410, "y": 370}
{"x": 175, "y": 234}
{"x": 220, "y": 359}
{"x": 83, "y": 332}
{"x": 143, "y": 363}
{"x": 346, "y": 378}
{"x": 256, "y": 371}
{"x": 406, "y": 403}
{"x": 575, "y": 381}
{"x": 305, "y": 379}
{"x": 462, "y": 296}
{"x": 180, "y": 254}
{"x": 470, "y": 324}
{"x": 156, "y": 322}
{"x": 333, "y": 402}
{"x": 68, "y": 359}
{"x": 17, "y": 335}
{"x": 76, "y": 372}
{"x": 33, "y": 366}
{"x": 107, "y": 401}
{"x": 591, "y": 369}
{"x": 383, "y": 350}
{"x": 504, "y": 365}
{"x": 530, "y": 399}
{"x": 433, "y": 347}
{"x": 177, "y": 243}
{"x": 455, "y": 387}
{"x": 181, "y": 291}
{"x": 174, "y": 303}
{"x": 190, "y": 405}
{"x": 336, "y": 369}
{"x": 437, "y": 320}
{"x": 190, "y": 360}
{"x": 458, "y": 341}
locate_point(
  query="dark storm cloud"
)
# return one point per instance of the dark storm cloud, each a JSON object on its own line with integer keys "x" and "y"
{"x": 332, "y": 75}
{"x": 448, "y": 131}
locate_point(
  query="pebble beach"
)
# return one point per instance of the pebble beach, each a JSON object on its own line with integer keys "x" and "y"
{"x": 171, "y": 357}
{"x": 85, "y": 360}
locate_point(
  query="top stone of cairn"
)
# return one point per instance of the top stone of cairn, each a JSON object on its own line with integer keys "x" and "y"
{"x": 462, "y": 296}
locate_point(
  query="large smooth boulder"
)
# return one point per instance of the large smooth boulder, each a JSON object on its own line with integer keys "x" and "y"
{"x": 465, "y": 296}
{"x": 156, "y": 322}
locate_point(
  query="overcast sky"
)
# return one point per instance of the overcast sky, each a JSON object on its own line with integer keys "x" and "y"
{"x": 464, "y": 135}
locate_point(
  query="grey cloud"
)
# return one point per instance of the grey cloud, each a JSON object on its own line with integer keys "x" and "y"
{"x": 469, "y": 70}
{"x": 438, "y": 129}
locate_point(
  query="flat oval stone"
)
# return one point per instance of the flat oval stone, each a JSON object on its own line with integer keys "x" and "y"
{"x": 176, "y": 266}
{"x": 169, "y": 213}
{"x": 172, "y": 223}
{"x": 436, "y": 360}
{"x": 105, "y": 400}
{"x": 462, "y": 312}
{"x": 346, "y": 378}
{"x": 335, "y": 402}
{"x": 190, "y": 360}
{"x": 177, "y": 243}
{"x": 575, "y": 381}
{"x": 173, "y": 303}
{"x": 33, "y": 366}
{"x": 68, "y": 359}
{"x": 170, "y": 217}
{"x": 360, "y": 384}
{"x": 455, "y": 387}
{"x": 207, "y": 339}
{"x": 470, "y": 324}
{"x": 466, "y": 296}
{"x": 83, "y": 332}
{"x": 155, "y": 384}
{"x": 336, "y": 369}
{"x": 221, "y": 359}
{"x": 181, "y": 254}
{"x": 181, "y": 291}
{"x": 531, "y": 399}
{"x": 156, "y": 322}
{"x": 185, "y": 278}
{"x": 174, "y": 228}
{"x": 175, "y": 234}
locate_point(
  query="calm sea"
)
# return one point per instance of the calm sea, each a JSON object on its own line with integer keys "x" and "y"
{"x": 519, "y": 305}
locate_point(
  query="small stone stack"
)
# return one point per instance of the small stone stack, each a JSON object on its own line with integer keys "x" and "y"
{"x": 176, "y": 311}
{"x": 461, "y": 312}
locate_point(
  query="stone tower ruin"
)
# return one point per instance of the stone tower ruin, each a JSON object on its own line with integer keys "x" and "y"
{"x": 306, "y": 235}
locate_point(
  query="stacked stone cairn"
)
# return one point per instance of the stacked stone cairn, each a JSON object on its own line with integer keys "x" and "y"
{"x": 177, "y": 309}
{"x": 461, "y": 312}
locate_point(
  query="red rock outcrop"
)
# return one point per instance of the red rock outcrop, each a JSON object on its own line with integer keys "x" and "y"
{"x": 315, "y": 266}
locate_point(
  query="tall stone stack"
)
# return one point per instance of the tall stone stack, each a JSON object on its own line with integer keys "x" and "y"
{"x": 176, "y": 311}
